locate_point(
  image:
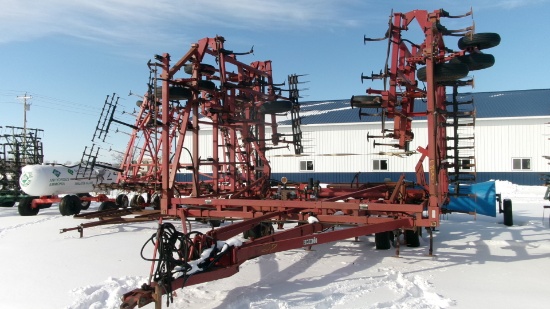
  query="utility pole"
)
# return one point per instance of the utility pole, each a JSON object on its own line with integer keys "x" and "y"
{"x": 26, "y": 107}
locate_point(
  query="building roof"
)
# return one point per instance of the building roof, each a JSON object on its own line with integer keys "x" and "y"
{"x": 497, "y": 104}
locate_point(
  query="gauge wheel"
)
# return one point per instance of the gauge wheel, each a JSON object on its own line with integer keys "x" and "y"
{"x": 479, "y": 40}
{"x": 175, "y": 93}
{"x": 445, "y": 72}
{"x": 412, "y": 238}
{"x": 276, "y": 107}
{"x": 204, "y": 69}
{"x": 475, "y": 61}
{"x": 382, "y": 240}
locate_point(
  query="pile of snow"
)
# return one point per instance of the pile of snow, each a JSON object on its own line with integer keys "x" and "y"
{"x": 478, "y": 262}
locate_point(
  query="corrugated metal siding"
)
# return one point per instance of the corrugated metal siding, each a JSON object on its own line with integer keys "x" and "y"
{"x": 500, "y": 140}
{"x": 344, "y": 148}
{"x": 516, "y": 103}
{"x": 340, "y": 150}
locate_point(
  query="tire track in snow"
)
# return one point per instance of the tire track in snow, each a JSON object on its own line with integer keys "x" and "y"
{"x": 106, "y": 295}
{"x": 5, "y": 230}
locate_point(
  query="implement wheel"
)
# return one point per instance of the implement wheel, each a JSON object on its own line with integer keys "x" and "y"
{"x": 205, "y": 69}
{"x": 444, "y": 72}
{"x": 479, "y": 40}
{"x": 260, "y": 230}
{"x": 7, "y": 204}
{"x": 175, "y": 93}
{"x": 137, "y": 201}
{"x": 412, "y": 238}
{"x": 155, "y": 201}
{"x": 69, "y": 205}
{"x": 382, "y": 240}
{"x": 475, "y": 61}
{"x": 84, "y": 205}
{"x": 122, "y": 201}
{"x": 276, "y": 107}
{"x": 107, "y": 205}
{"x": 25, "y": 207}
{"x": 204, "y": 85}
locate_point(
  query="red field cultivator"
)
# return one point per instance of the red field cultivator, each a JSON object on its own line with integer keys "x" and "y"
{"x": 239, "y": 102}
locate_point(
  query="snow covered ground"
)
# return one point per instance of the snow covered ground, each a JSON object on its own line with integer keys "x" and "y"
{"x": 479, "y": 262}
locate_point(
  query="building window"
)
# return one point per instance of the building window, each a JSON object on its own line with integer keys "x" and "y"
{"x": 380, "y": 165}
{"x": 306, "y": 165}
{"x": 465, "y": 164}
{"x": 521, "y": 164}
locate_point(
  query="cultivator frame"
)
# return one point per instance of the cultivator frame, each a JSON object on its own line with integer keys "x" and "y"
{"x": 233, "y": 182}
{"x": 19, "y": 147}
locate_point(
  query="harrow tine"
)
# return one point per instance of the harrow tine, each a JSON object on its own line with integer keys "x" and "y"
{"x": 386, "y": 35}
{"x": 446, "y": 14}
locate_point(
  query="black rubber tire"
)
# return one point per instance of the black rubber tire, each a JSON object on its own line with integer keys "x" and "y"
{"x": 276, "y": 107}
{"x": 382, "y": 240}
{"x": 508, "y": 213}
{"x": 137, "y": 201}
{"x": 64, "y": 205}
{"x": 84, "y": 205}
{"x": 260, "y": 230}
{"x": 7, "y": 204}
{"x": 412, "y": 239}
{"x": 107, "y": 205}
{"x": 69, "y": 205}
{"x": 122, "y": 201}
{"x": 475, "y": 61}
{"x": 444, "y": 72}
{"x": 267, "y": 229}
{"x": 155, "y": 201}
{"x": 25, "y": 207}
{"x": 76, "y": 205}
{"x": 204, "y": 69}
{"x": 479, "y": 40}
{"x": 215, "y": 223}
{"x": 204, "y": 85}
{"x": 175, "y": 93}
{"x": 366, "y": 101}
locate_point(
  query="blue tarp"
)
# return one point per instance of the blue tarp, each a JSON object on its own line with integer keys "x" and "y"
{"x": 480, "y": 198}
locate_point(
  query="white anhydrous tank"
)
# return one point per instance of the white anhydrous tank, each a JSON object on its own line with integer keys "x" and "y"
{"x": 54, "y": 179}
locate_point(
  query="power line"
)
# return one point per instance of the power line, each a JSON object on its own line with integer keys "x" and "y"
{"x": 68, "y": 105}
{"x": 95, "y": 114}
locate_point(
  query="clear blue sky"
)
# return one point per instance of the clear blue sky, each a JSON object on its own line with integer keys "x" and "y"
{"x": 69, "y": 55}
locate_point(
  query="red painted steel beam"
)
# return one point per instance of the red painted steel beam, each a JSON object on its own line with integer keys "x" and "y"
{"x": 298, "y": 237}
{"x": 226, "y": 232}
{"x": 251, "y": 250}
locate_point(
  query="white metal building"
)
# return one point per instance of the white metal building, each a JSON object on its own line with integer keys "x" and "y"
{"x": 511, "y": 137}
